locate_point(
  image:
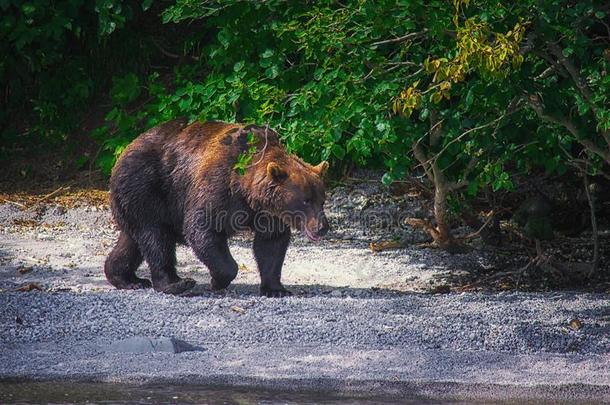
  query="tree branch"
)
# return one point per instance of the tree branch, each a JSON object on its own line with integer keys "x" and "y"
{"x": 573, "y": 72}
{"x": 463, "y": 134}
{"x": 456, "y": 185}
{"x": 435, "y": 128}
{"x": 412, "y": 35}
{"x": 536, "y": 104}
{"x": 581, "y": 84}
{"x": 419, "y": 154}
{"x": 171, "y": 54}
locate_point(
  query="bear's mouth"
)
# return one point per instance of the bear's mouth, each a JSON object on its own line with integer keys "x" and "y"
{"x": 312, "y": 236}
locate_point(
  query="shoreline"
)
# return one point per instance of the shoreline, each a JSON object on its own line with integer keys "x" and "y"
{"x": 466, "y": 387}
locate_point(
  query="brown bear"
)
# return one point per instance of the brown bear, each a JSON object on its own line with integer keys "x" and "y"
{"x": 176, "y": 183}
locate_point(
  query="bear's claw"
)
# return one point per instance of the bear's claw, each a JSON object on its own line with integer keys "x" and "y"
{"x": 270, "y": 293}
{"x": 137, "y": 284}
{"x": 179, "y": 287}
{"x": 220, "y": 284}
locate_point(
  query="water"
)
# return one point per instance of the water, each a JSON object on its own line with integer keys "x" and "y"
{"x": 14, "y": 392}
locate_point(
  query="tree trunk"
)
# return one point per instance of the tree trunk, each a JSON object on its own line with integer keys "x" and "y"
{"x": 444, "y": 239}
{"x": 440, "y": 215}
{"x": 591, "y": 200}
{"x": 440, "y": 231}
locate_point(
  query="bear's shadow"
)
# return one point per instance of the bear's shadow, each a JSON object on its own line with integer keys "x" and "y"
{"x": 241, "y": 291}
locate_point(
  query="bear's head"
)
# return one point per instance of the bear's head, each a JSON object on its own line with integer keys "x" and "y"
{"x": 294, "y": 191}
{"x": 303, "y": 195}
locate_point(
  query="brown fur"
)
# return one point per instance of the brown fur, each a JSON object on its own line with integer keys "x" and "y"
{"x": 176, "y": 184}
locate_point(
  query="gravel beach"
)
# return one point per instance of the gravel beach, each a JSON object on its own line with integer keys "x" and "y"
{"x": 359, "y": 322}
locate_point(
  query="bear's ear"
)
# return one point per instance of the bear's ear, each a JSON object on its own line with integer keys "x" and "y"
{"x": 276, "y": 172}
{"x": 321, "y": 168}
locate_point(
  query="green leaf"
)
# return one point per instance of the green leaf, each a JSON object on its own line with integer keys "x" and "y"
{"x": 436, "y": 97}
{"x": 224, "y": 37}
{"x": 473, "y": 188}
{"x": 338, "y": 151}
{"x": 125, "y": 89}
{"x": 238, "y": 66}
{"x": 387, "y": 179}
{"x": 423, "y": 114}
{"x": 272, "y": 72}
{"x": 469, "y": 99}
{"x": 105, "y": 162}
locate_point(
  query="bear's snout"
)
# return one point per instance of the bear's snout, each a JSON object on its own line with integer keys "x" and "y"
{"x": 316, "y": 227}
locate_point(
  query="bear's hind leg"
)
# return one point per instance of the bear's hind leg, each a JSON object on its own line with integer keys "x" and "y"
{"x": 121, "y": 265}
{"x": 159, "y": 250}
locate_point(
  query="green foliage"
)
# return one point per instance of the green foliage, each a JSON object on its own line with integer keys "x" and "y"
{"x": 278, "y": 63}
{"x": 245, "y": 158}
{"x": 56, "y": 58}
{"x": 360, "y": 82}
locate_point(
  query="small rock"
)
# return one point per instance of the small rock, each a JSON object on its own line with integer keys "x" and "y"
{"x": 440, "y": 289}
{"x": 238, "y": 309}
{"x": 576, "y": 324}
{"x": 59, "y": 210}
{"x": 29, "y": 287}
{"x": 336, "y": 294}
{"x": 142, "y": 344}
{"x": 25, "y": 269}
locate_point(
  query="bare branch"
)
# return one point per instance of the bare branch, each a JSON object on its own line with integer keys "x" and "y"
{"x": 547, "y": 72}
{"x": 171, "y": 54}
{"x": 15, "y": 203}
{"x": 490, "y": 217}
{"x": 412, "y": 35}
{"x": 405, "y": 63}
{"x": 558, "y": 68}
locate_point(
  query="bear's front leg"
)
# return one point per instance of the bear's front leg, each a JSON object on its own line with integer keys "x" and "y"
{"x": 212, "y": 249}
{"x": 269, "y": 252}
